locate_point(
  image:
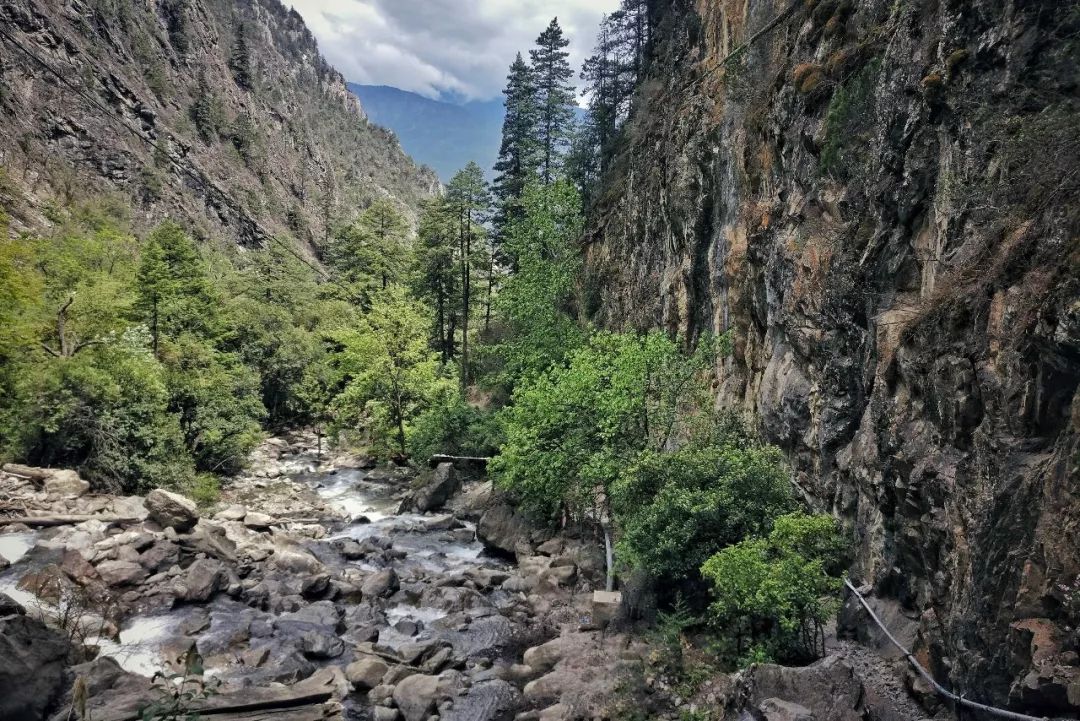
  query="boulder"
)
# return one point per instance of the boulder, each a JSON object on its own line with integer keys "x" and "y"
{"x": 828, "y": 689}
{"x": 366, "y": 673}
{"x": 502, "y": 530}
{"x": 121, "y": 573}
{"x": 171, "y": 510}
{"x": 201, "y": 581}
{"x": 66, "y": 483}
{"x": 544, "y": 657}
{"x": 318, "y": 643}
{"x": 436, "y": 492}
{"x": 33, "y": 659}
{"x": 258, "y": 521}
{"x": 775, "y": 709}
{"x": 380, "y": 584}
{"x": 416, "y": 696}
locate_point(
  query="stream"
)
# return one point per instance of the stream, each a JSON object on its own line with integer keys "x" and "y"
{"x": 441, "y": 604}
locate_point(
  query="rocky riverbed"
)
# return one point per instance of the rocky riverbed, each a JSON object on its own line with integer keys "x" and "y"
{"x": 324, "y": 587}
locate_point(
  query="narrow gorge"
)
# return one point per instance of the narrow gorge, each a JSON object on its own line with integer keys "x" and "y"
{"x": 748, "y": 368}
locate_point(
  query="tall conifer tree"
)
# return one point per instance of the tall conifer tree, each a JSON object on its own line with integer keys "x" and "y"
{"x": 555, "y": 98}
{"x": 519, "y": 153}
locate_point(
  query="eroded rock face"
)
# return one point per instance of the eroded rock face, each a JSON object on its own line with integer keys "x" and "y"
{"x": 877, "y": 200}
{"x": 33, "y": 659}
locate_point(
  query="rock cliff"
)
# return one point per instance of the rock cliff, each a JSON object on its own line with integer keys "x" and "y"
{"x": 879, "y": 199}
{"x": 263, "y": 136}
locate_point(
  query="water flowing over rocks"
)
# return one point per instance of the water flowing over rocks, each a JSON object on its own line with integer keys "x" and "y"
{"x": 310, "y": 592}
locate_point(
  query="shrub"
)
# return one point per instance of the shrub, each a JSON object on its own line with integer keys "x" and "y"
{"x": 455, "y": 427}
{"x": 775, "y": 594}
{"x": 678, "y": 509}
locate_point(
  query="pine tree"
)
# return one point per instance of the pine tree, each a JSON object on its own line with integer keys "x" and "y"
{"x": 436, "y": 272}
{"x": 240, "y": 58}
{"x": 518, "y": 154}
{"x": 555, "y": 97}
{"x": 174, "y": 292}
{"x": 470, "y": 200}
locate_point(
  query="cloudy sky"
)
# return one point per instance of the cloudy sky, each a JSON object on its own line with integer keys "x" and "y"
{"x": 433, "y": 46}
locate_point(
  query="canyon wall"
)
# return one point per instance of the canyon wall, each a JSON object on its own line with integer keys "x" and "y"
{"x": 221, "y": 114}
{"x": 880, "y": 200}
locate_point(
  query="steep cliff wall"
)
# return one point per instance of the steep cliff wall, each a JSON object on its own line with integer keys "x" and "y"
{"x": 880, "y": 198}
{"x": 269, "y": 139}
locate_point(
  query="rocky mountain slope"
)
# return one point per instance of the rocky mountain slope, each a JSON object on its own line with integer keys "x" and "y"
{"x": 879, "y": 199}
{"x": 253, "y": 132}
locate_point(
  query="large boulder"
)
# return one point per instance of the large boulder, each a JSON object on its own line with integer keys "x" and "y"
{"x": 417, "y": 695}
{"x": 366, "y": 673}
{"x": 828, "y": 689}
{"x": 436, "y": 492}
{"x": 201, "y": 581}
{"x": 33, "y": 659}
{"x": 121, "y": 573}
{"x": 380, "y": 584}
{"x": 171, "y": 510}
{"x": 505, "y": 531}
{"x": 66, "y": 483}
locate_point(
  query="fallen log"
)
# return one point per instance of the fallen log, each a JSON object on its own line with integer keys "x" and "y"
{"x": 476, "y": 461}
{"x": 63, "y": 520}
{"x": 30, "y": 473}
{"x": 304, "y": 701}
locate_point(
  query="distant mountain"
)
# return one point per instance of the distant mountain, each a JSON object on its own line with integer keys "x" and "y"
{"x": 441, "y": 134}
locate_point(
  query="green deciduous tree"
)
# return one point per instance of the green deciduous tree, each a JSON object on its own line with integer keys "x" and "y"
{"x": 676, "y": 509}
{"x": 390, "y": 373}
{"x": 778, "y": 592}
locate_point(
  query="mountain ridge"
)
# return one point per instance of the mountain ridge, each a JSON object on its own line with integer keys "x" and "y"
{"x": 236, "y": 124}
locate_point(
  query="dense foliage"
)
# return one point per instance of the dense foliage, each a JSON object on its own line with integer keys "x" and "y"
{"x": 145, "y": 363}
{"x": 777, "y": 593}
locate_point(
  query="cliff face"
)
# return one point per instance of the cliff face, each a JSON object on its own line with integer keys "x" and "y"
{"x": 268, "y": 136}
{"x": 879, "y": 198}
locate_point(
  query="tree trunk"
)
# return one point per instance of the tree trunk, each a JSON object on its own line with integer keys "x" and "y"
{"x": 466, "y": 229}
{"x": 609, "y": 558}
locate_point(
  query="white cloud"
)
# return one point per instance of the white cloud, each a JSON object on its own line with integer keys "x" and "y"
{"x": 434, "y": 46}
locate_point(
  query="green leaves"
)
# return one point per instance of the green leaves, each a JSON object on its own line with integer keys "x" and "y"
{"x": 573, "y": 429}
{"x": 391, "y": 374}
{"x": 779, "y": 591}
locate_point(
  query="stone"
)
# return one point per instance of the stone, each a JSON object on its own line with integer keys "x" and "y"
{"x": 381, "y": 583}
{"x": 160, "y": 556}
{"x": 171, "y": 510}
{"x": 202, "y": 580}
{"x": 121, "y": 573}
{"x": 775, "y": 709}
{"x": 33, "y": 659}
{"x": 318, "y": 644}
{"x": 349, "y": 549}
{"x": 232, "y": 513}
{"x": 66, "y": 483}
{"x": 434, "y": 494}
{"x": 77, "y": 568}
{"x": 558, "y": 712}
{"x": 543, "y": 658}
{"x": 258, "y": 521}
{"x": 382, "y": 713}
{"x": 416, "y": 696}
{"x": 10, "y": 607}
{"x": 366, "y": 673}
{"x": 559, "y": 575}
